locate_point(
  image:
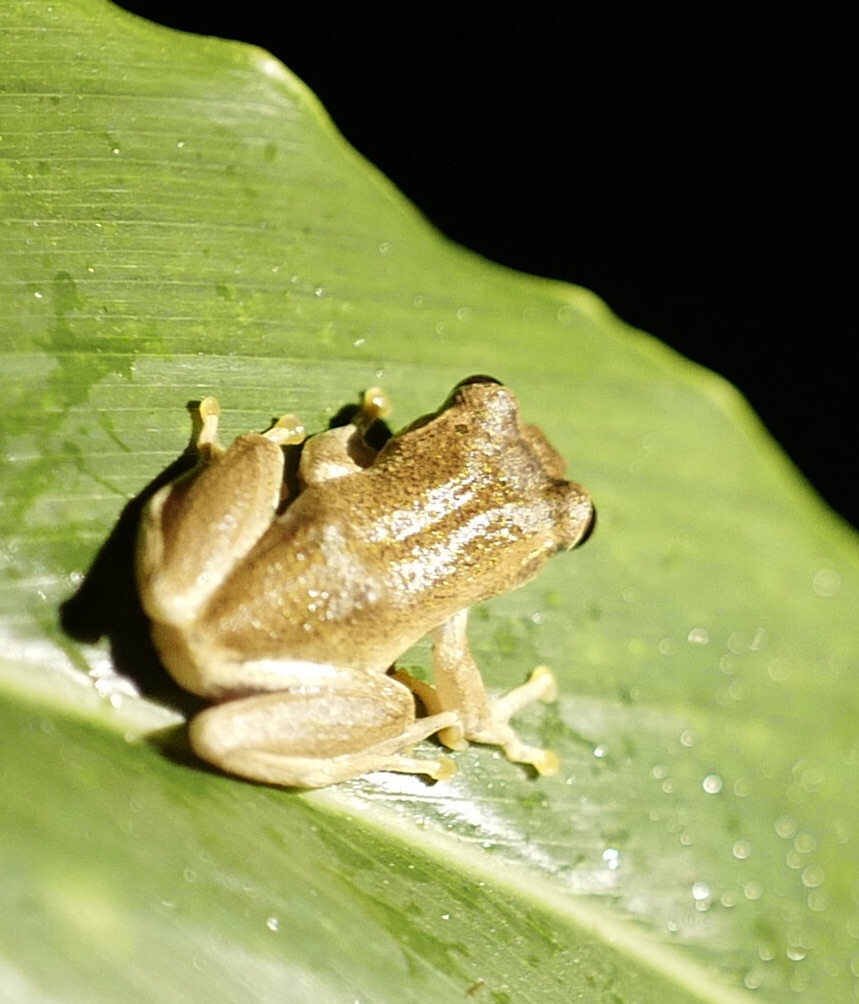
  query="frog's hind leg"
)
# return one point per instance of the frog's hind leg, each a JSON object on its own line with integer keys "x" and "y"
{"x": 196, "y": 529}
{"x": 310, "y": 737}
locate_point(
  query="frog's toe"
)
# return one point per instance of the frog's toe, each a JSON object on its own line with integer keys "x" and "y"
{"x": 444, "y": 770}
{"x": 546, "y": 763}
{"x": 545, "y": 684}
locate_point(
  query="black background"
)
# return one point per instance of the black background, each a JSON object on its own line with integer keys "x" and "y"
{"x": 687, "y": 162}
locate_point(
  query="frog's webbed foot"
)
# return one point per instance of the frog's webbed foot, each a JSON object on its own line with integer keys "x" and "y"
{"x": 295, "y": 738}
{"x": 497, "y": 731}
{"x": 459, "y": 687}
{"x": 540, "y": 686}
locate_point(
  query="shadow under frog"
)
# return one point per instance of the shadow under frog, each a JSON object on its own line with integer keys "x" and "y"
{"x": 107, "y": 603}
{"x": 282, "y": 577}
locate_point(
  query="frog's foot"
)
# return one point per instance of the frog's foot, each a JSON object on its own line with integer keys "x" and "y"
{"x": 375, "y": 404}
{"x": 210, "y": 412}
{"x": 439, "y": 769}
{"x": 453, "y": 736}
{"x": 287, "y": 431}
{"x": 311, "y": 772}
{"x": 540, "y": 686}
{"x": 265, "y": 738}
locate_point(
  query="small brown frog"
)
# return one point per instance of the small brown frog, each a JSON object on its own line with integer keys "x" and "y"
{"x": 288, "y": 612}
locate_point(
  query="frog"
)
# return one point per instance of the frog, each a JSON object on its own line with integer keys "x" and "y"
{"x": 284, "y": 575}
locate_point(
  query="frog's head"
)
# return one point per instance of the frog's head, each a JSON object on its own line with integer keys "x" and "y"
{"x": 542, "y": 474}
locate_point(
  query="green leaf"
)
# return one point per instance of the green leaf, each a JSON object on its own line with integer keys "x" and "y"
{"x": 180, "y": 218}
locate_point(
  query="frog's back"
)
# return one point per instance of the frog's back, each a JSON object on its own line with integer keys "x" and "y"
{"x": 330, "y": 583}
{"x": 359, "y": 568}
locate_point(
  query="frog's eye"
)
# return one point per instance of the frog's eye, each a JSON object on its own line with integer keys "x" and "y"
{"x": 477, "y": 378}
{"x": 589, "y": 529}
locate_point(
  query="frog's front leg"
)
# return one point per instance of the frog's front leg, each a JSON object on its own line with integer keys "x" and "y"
{"x": 459, "y": 687}
{"x": 344, "y": 450}
{"x": 327, "y": 725}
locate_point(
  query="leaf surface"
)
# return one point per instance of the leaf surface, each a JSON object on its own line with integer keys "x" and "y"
{"x": 180, "y": 218}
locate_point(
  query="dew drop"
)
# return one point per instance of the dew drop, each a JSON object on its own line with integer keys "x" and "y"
{"x": 793, "y": 859}
{"x": 701, "y": 895}
{"x": 742, "y": 787}
{"x": 826, "y": 582}
{"x": 812, "y": 876}
{"x": 737, "y": 642}
{"x": 818, "y": 900}
{"x": 741, "y": 850}
{"x": 805, "y": 843}
{"x": 785, "y": 827}
{"x": 611, "y": 857}
{"x": 759, "y": 640}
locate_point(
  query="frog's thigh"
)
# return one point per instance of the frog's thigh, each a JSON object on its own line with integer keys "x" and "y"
{"x": 312, "y": 736}
{"x": 195, "y": 530}
{"x": 459, "y": 687}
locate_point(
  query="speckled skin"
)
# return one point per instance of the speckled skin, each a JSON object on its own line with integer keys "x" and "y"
{"x": 320, "y": 594}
